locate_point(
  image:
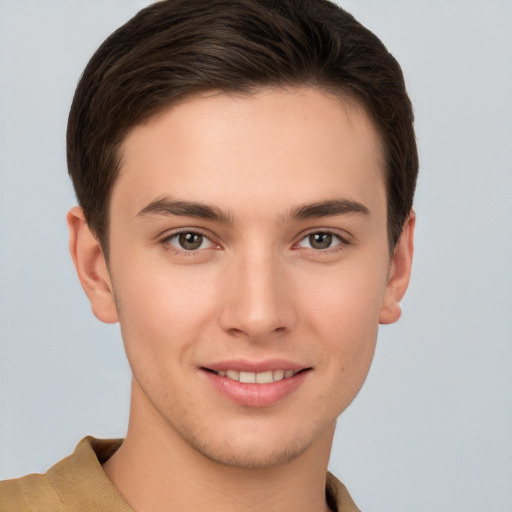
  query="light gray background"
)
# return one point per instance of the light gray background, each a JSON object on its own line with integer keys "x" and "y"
{"x": 431, "y": 429}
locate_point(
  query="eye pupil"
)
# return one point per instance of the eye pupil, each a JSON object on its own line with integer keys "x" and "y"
{"x": 190, "y": 241}
{"x": 320, "y": 240}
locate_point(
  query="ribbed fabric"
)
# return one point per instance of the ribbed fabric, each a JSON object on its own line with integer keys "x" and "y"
{"x": 79, "y": 484}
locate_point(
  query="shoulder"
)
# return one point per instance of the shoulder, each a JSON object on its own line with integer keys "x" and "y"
{"x": 29, "y": 493}
{"x": 75, "y": 484}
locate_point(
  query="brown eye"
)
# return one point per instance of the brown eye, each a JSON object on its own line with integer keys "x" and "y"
{"x": 190, "y": 241}
{"x": 320, "y": 240}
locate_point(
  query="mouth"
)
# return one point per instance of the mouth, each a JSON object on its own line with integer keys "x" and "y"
{"x": 256, "y": 384}
{"x": 265, "y": 377}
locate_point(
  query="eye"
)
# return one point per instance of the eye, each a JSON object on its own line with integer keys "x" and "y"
{"x": 320, "y": 241}
{"x": 189, "y": 241}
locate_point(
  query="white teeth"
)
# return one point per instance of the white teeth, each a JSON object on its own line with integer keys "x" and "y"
{"x": 264, "y": 377}
{"x": 278, "y": 375}
{"x": 248, "y": 377}
{"x": 233, "y": 374}
{"x": 259, "y": 378}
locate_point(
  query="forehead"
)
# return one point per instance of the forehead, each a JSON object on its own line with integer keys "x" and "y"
{"x": 275, "y": 145}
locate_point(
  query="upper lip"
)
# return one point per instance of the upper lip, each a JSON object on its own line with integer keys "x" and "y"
{"x": 244, "y": 365}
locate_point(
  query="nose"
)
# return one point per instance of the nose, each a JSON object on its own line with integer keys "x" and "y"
{"x": 258, "y": 298}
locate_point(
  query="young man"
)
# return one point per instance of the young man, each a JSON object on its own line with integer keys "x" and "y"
{"x": 245, "y": 172}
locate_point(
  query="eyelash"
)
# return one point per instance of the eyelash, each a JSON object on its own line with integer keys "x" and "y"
{"x": 165, "y": 242}
{"x": 340, "y": 246}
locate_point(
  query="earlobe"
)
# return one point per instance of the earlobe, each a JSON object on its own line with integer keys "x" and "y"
{"x": 399, "y": 273}
{"x": 91, "y": 267}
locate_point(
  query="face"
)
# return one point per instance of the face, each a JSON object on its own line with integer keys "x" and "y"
{"x": 250, "y": 268}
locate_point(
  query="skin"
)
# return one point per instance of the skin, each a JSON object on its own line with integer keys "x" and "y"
{"x": 259, "y": 287}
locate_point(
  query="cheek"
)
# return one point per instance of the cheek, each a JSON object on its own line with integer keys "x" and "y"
{"x": 346, "y": 325}
{"x": 344, "y": 316}
{"x": 350, "y": 299}
{"x": 162, "y": 310}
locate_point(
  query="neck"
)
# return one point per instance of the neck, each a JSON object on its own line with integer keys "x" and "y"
{"x": 155, "y": 469}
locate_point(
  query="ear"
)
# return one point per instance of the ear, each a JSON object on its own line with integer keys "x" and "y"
{"x": 91, "y": 267}
{"x": 399, "y": 273}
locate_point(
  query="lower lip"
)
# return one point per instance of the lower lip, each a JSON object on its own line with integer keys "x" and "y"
{"x": 256, "y": 395}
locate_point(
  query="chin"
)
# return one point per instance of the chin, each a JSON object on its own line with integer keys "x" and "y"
{"x": 256, "y": 448}
{"x": 254, "y": 455}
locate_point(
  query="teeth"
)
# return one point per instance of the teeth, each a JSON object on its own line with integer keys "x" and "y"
{"x": 278, "y": 375}
{"x": 259, "y": 378}
{"x": 264, "y": 377}
{"x": 248, "y": 377}
{"x": 233, "y": 375}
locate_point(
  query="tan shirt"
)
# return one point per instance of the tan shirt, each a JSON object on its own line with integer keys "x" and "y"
{"x": 79, "y": 484}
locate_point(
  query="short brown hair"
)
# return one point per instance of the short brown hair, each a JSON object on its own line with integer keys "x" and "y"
{"x": 177, "y": 48}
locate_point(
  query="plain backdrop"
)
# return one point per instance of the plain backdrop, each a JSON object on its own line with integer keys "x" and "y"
{"x": 431, "y": 429}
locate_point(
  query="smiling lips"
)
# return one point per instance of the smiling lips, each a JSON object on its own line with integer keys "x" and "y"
{"x": 256, "y": 385}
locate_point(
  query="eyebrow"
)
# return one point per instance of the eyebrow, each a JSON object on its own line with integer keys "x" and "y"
{"x": 168, "y": 206}
{"x": 328, "y": 209}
